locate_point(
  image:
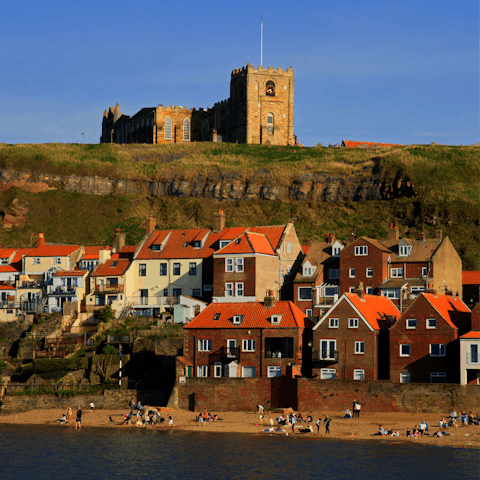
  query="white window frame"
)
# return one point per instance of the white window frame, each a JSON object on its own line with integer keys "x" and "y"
{"x": 186, "y": 130}
{"x": 223, "y": 243}
{"x": 282, "y": 273}
{"x": 369, "y": 272}
{"x": 352, "y": 272}
{"x": 229, "y": 264}
{"x": 249, "y": 345}
{"x": 359, "y": 345}
{"x": 330, "y": 352}
{"x": 430, "y": 327}
{"x": 36, "y": 260}
{"x": 424, "y": 271}
{"x": 404, "y": 250}
{"x": 353, "y": 322}
{"x": 305, "y": 299}
{"x": 361, "y": 250}
{"x": 441, "y": 347}
{"x": 351, "y": 289}
{"x": 216, "y": 372}
{"x": 229, "y": 292}
{"x": 239, "y": 267}
{"x": 239, "y": 289}
{"x": 270, "y": 122}
{"x": 237, "y": 319}
{"x": 325, "y": 372}
{"x": 275, "y": 319}
{"x": 405, "y": 377}
{"x": 307, "y": 271}
{"x": 470, "y": 356}
{"x": 273, "y": 370}
{"x": 203, "y": 371}
{"x": 204, "y": 345}
{"x": 401, "y": 353}
{"x": 58, "y": 261}
{"x": 408, "y": 327}
{"x": 333, "y": 322}
{"x": 369, "y": 290}
{"x": 336, "y": 252}
{"x": 359, "y": 372}
{"x": 396, "y": 272}
{"x": 309, "y": 312}
{"x": 167, "y": 128}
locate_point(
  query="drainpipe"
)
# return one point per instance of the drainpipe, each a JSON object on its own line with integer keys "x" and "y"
{"x": 195, "y": 356}
{"x": 261, "y": 351}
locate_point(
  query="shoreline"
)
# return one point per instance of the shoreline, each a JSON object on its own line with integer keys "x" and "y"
{"x": 248, "y": 422}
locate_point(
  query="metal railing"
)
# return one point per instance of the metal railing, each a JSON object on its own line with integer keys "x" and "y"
{"x": 225, "y": 354}
{"x": 147, "y": 301}
{"x": 279, "y": 354}
{"x": 61, "y": 290}
{"x": 325, "y": 356}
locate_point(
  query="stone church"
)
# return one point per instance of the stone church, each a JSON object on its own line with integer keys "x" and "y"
{"x": 259, "y": 111}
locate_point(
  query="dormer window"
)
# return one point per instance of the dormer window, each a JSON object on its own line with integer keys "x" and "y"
{"x": 156, "y": 248}
{"x": 185, "y": 244}
{"x": 307, "y": 271}
{"x": 197, "y": 244}
{"x": 237, "y": 319}
{"x": 336, "y": 252}
{"x": 275, "y": 319}
{"x": 216, "y": 316}
{"x": 404, "y": 250}
{"x": 224, "y": 243}
{"x": 237, "y": 242}
{"x": 4, "y": 261}
{"x": 113, "y": 264}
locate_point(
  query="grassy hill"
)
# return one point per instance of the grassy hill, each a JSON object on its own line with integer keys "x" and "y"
{"x": 445, "y": 179}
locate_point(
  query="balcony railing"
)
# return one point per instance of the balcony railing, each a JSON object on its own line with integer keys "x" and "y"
{"x": 112, "y": 288}
{"x": 325, "y": 356}
{"x": 147, "y": 301}
{"x": 279, "y": 354}
{"x": 61, "y": 290}
{"x": 224, "y": 355}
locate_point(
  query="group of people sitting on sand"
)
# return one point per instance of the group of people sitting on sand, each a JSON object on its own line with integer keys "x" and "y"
{"x": 387, "y": 432}
{"x": 145, "y": 416}
{"x": 206, "y": 416}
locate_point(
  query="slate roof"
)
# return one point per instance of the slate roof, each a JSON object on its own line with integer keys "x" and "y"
{"x": 255, "y": 315}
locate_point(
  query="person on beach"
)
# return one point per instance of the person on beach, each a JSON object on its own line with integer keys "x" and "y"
{"x": 202, "y": 423}
{"x": 170, "y": 421}
{"x": 380, "y": 431}
{"x": 408, "y": 433}
{"x": 131, "y": 404}
{"x": 78, "y": 421}
{"x": 354, "y": 407}
{"x": 139, "y": 408}
{"x": 348, "y": 414}
{"x": 261, "y": 417}
{"x": 422, "y": 428}
{"x": 260, "y": 409}
{"x": 92, "y": 406}
{"x": 62, "y": 419}
{"x": 357, "y": 409}
{"x": 318, "y": 423}
{"x": 69, "y": 413}
{"x": 309, "y": 418}
{"x": 326, "y": 422}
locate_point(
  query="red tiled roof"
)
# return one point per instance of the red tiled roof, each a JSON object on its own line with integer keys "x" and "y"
{"x": 471, "y": 278}
{"x": 255, "y": 315}
{"x": 446, "y": 305}
{"x": 372, "y": 306}
{"x": 106, "y": 269}
{"x": 8, "y": 268}
{"x": 354, "y": 144}
{"x": 472, "y": 334}
{"x": 19, "y": 255}
{"x": 53, "y": 251}
{"x": 92, "y": 253}
{"x": 6, "y": 252}
{"x": 248, "y": 243}
{"x": 70, "y": 273}
{"x": 305, "y": 248}
{"x": 7, "y": 287}
{"x": 273, "y": 233}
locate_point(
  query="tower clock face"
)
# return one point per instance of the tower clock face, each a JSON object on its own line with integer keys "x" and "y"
{"x": 270, "y": 90}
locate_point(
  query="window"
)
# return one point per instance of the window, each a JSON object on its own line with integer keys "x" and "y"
{"x": 473, "y": 357}
{"x": 351, "y": 289}
{"x": 186, "y": 130}
{"x": 274, "y": 371}
{"x": 282, "y": 273}
{"x": 336, "y": 251}
{"x": 327, "y": 374}
{"x": 185, "y": 244}
{"x": 223, "y": 243}
{"x": 359, "y": 374}
{"x": 249, "y": 345}
{"x": 148, "y": 122}
{"x": 197, "y": 244}
{"x": 4, "y": 261}
{"x": 424, "y": 271}
{"x": 270, "y": 123}
{"x": 203, "y": 370}
{"x": 176, "y": 292}
{"x": 437, "y": 349}
{"x": 359, "y": 348}
{"x": 289, "y": 247}
{"x": 304, "y": 293}
{"x": 309, "y": 312}
{"x": 333, "y": 322}
{"x": 416, "y": 290}
{"x": 192, "y": 270}
{"x": 411, "y": 323}
{"x": 334, "y": 274}
{"x": 239, "y": 264}
{"x": 176, "y": 269}
{"x": 405, "y": 377}
{"x": 217, "y": 369}
{"x": 270, "y": 88}
{"x": 168, "y": 128}
{"x": 369, "y": 290}
{"x": 328, "y": 349}
{"x": 405, "y": 350}
{"x": 361, "y": 250}
{"x": 431, "y": 323}
{"x": 248, "y": 372}
{"x": 438, "y": 377}
{"x": 404, "y": 250}
{"x": 353, "y": 323}
{"x": 204, "y": 345}
{"x": 390, "y": 293}
{"x": 330, "y": 291}
{"x": 229, "y": 264}
{"x": 207, "y": 288}
{"x": 396, "y": 272}
{"x": 204, "y": 130}
{"x": 142, "y": 270}
{"x": 196, "y": 292}
{"x": 36, "y": 261}
{"x": 143, "y": 122}
{"x": 165, "y": 292}
{"x": 216, "y": 316}
{"x": 163, "y": 269}
{"x": 352, "y": 272}
{"x": 369, "y": 272}
{"x": 57, "y": 261}
{"x": 239, "y": 289}
{"x": 307, "y": 271}
{"x": 237, "y": 319}
{"x": 238, "y": 241}
{"x": 156, "y": 248}
{"x": 229, "y": 289}
{"x": 275, "y": 320}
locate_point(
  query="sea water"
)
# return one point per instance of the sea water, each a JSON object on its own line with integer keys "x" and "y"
{"x": 43, "y": 453}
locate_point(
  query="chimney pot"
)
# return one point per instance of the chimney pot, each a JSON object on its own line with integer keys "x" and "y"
{"x": 151, "y": 224}
{"x": 40, "y": 240}
{"x": 218, "y": 221}
{"x": 422, "y": 237}
{"x": 439, "y": 234}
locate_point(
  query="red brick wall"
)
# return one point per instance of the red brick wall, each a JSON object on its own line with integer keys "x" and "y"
{"x": 420, "y": 363}
{"x": 303, "y": 304}
{"x": 220, "y": 276}
{"x": 346, "y": 338}
{"x": 414, "y": 270}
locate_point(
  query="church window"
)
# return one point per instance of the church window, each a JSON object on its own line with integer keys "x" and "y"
{"x": 270, "y": 123}
{"x": 270, "y": 90}
{"x": 204, "y": 130}
{"x": 186, "y": 130}
{"x": 168, "y": 128}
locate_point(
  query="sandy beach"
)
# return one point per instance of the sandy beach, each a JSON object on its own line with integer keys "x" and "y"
{"x": 362, "y": 429}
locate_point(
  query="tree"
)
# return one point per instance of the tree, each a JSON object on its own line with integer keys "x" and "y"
{"x": 103, "y": 363}
{"x": 105, "y": 314}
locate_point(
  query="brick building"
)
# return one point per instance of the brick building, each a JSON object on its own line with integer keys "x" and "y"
{"x": 247, "y": 339}
{"x": 259, "y": 111}
{"x": 424, "y": 343}
{"x": 350, "y": 342}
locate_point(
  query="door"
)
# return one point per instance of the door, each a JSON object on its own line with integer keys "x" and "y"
{"x": 143, "y": 294}
{"x": 232, "y": 370}
{"x": 327, "y": 349}
{"x": 217, "y": 369}
{"x": 231, "y": 348}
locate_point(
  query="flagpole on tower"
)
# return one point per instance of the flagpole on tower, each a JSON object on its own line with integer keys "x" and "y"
{"x": 261, "y": 41}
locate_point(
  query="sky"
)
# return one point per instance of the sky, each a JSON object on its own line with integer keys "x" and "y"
{"x": 369, "y": 70}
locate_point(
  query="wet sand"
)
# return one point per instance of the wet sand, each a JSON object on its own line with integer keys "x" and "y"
{"x": 243, "y": 422}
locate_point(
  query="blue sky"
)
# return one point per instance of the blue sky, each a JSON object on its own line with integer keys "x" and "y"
{"x": 385, "y": 71}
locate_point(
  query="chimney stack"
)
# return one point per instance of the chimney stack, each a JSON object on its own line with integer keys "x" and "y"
{"x": 103, "y": 255}
{"x": 439, "y": 234}
{"x": 422, "y": 237}
{"x": 269, "y": 300}
{"x": 393, "y": 233}
{"x": 218, "y": 221}
{"x": 40, "y": 240}
{"x": 118, "y": 240}
{"x": 352, "y": 237}
{"x": 151, "y": 224}
{"x": 330, "y": 238}
{"x": 360, "y": 290}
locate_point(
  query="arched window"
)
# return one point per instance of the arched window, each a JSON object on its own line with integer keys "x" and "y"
{"x": 168, "y": 128}
{"x": 186, "y": 130}
{"x": 204, "y": 130}
{"x": 270, "y": 89}
{"x": 270, "y": 122}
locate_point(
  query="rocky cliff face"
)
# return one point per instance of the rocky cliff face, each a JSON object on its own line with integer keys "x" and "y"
{"x": 262, "y": 185}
